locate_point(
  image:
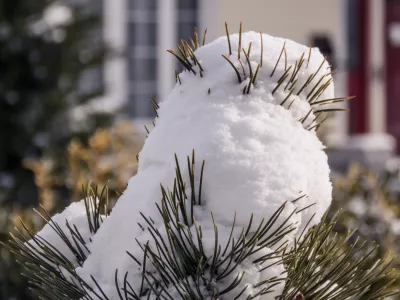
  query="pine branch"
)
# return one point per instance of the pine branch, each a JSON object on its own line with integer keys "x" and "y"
{"x": 175, "y": 262}
{"x": 45, "y": 266}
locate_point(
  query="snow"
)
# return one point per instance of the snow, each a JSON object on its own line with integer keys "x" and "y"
{"x": 75, "y": 214}
{"x": 258, "y": 155}
{"x": 251, "y": 272}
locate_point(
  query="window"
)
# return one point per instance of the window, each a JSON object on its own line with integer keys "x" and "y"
{"x": 187, "y": 4}
{"x": 353, "y": 33}
{"x": 187, "y": 17}
{"x": 140, "y": 105}
{"x": 187, "y": 12}
{"x": 142, "y": 34}
{"x": 142, "y": 56}
{"x": 143, "y": 69}
{"x": 143, "y": 4}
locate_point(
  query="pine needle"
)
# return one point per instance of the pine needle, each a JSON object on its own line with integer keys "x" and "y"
{"x": 332, "y": 110}
{"x": 301, "y": 61}
{"x": 248, "y": 60}
{"x": 287, "y": 97}
{"x": 196, "y": 38}
{"x": 249, "y": 48}
{"x": 234, "y": 68}
{"x": 256, "y": 73}
{"x": 320, "y": 123}
{"x": 290, "y": 105}
{"x": 204, "y": 37}
{"x": 262, "y": 49}
{"x": 244, "y": 71}
{"x": 229, "y": 40}
{"x": 177, "y": 78}
{"x": 283, "y": 78}
{"x": 182, "y": 61}
{"x": 306, "y": 116}
{"x": 279, "y": 58}
{"x": 332, "y": 100}
{"x": 193, "y": 43}
{"x": 240, "y": 40}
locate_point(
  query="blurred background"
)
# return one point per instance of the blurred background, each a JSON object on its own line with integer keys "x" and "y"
{"x": 76, "y": 77}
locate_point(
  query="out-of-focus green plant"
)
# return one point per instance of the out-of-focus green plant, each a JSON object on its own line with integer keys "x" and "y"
{"x": 51, "y": 62}
{"x": 108, "y": 158}
{"x": 13, "y": 285}
{"x": 369, "y": 206}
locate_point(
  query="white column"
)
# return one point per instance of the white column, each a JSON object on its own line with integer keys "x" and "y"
{"x": 376, "y": 88}
{"x": 115, "y": 71}
{"x": 209, "y": 18}
{"x": 337, "y": 127}
{"x": 341, "y": 89}
{"x": 167, "y": 37}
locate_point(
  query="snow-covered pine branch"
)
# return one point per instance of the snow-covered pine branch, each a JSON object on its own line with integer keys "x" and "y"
{"x": 231, "y": 220}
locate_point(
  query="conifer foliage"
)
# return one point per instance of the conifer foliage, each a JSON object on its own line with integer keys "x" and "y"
{"x": 180, "y": 248}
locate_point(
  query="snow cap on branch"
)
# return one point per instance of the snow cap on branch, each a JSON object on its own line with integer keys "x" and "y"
{"x": 252, "y": 118}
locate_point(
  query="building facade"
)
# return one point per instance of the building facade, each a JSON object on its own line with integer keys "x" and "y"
{"x": 142, "y": 31}
{"x": 360, "y": 37}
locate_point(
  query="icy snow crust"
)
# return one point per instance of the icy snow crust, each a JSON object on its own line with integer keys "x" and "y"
{"x": 258, "y": 155}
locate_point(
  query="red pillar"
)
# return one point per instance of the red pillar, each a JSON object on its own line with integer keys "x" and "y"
{"x": 393, "y": 69}
{"x": 358, "y": 27}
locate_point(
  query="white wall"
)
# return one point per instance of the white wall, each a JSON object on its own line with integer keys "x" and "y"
{"x": 292, "y": 19}
{"x": 115, "y": 69}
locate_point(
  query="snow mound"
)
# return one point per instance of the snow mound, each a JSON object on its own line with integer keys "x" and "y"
{"x": 259, "y": 149}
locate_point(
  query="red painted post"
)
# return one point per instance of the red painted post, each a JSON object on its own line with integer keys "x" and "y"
{"x": 393, "y": 69}
{"x": 358, "y": 32}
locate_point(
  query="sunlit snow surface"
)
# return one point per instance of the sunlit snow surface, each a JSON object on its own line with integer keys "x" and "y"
{"x": 258, "y": 155}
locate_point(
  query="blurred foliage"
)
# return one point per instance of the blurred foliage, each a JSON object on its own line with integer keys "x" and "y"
{"x": 370, "y": 204}
{"x": 12, "y": 284}
{"x": 51, "y": 61}
{"x": 367, "y": 199}
{"x": 51, "y": 65}
{"x": 108, "y": 157}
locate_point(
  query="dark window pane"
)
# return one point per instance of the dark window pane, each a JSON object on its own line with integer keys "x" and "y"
{"x": 143, "y": 4}
{"x": 142, "y": 34}
{"x": 186, "y": 30}
{"x": 143, "y": 69}
{"x": 187, "y": 16}
{"x": 187, "y": 4}
{"x": 140, "y": 106}
{"x": 353, "y": 16}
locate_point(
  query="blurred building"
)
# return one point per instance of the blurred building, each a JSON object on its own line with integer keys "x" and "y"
{"x": 143, "y": 30}
{"x": 360, "y": 37}
{"x": 362, "y": 41}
